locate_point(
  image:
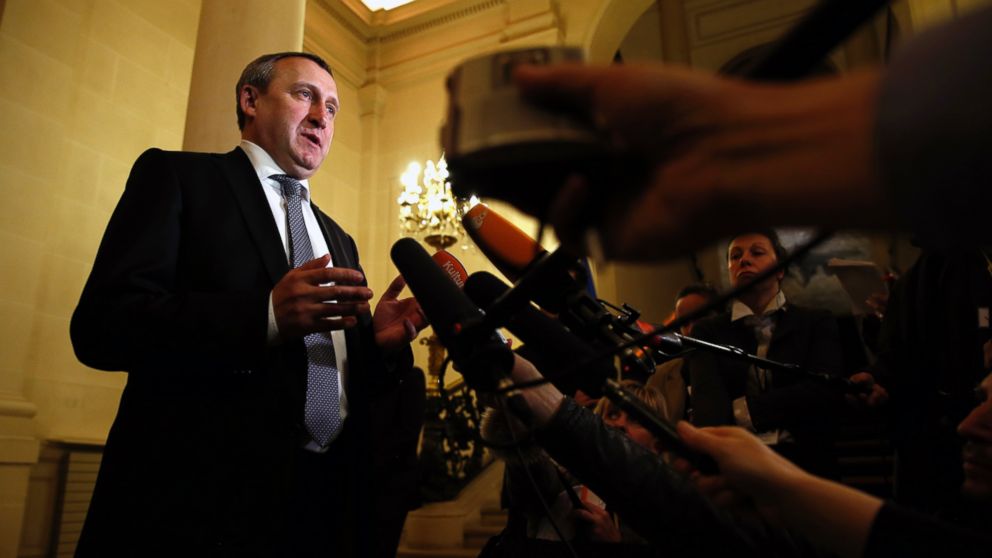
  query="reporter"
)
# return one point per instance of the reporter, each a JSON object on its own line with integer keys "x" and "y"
{"x": 590, "y": 524}
{"x": 842, "y": 520}
{"x": 656, "y": 501}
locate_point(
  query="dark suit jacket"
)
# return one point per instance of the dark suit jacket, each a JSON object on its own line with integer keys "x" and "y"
{"x": 200, "y": 458}
{"x": 806, "y": 408}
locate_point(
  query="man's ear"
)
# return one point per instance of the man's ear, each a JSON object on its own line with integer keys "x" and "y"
{"x": 248, "y": 98}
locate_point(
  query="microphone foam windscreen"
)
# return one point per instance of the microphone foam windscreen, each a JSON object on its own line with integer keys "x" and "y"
{"x": 450, "y": 264}
{"x": 561, "y": 357}
{"x": 510, "y": 249}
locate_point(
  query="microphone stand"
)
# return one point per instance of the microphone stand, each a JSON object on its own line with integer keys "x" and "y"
{"x": 816, "y": 34}
{"x": 736, "y": 353}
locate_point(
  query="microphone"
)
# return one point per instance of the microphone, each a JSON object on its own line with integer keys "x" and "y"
{"x": 555, "y": 281}
{"x": 549, "y": 283}
{"x": 553, "y": 349}
{"x": 510, "y": 249}
{"x": 514, "y": 252}
{"x": 523, "y": 260}
{"x": 450, "y": 264}
{"x": 674, "y": 343}
{"x": 478, "y": 352}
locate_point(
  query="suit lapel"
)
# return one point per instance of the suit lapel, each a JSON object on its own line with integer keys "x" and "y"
{"x": 786, "y": 326}
{"x": 343, "y": 256}
{"x": 334, "y": 236}
{"x": 254, "y": 207}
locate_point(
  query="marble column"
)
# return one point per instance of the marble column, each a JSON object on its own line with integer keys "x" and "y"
{"x": 232, "y": 34}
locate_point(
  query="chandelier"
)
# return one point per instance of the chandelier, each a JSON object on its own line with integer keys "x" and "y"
{"x": 427, "y": 206}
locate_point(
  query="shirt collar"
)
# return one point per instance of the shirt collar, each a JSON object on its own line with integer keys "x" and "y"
{"x": 265, "y": 166}
{"x": 739, "y": 310}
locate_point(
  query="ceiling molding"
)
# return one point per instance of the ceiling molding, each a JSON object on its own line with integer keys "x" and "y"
{"x": 425, "y": 37}
{"x": 416, "y": 17}
{"x": 437, "y": 19}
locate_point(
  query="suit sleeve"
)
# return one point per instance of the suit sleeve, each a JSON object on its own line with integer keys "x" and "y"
{"x": 133, "y": 312}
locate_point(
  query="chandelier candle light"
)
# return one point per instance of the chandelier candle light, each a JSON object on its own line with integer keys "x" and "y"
{"x": 427, "y": 206}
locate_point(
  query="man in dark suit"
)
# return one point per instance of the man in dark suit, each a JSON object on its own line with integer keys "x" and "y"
{"x": 244, "y": 425}
{"x": 788, "y": 411}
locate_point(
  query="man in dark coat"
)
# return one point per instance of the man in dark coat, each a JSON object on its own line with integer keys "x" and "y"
{"x": 240, "y": 312}
{"x": 790, "y": 411}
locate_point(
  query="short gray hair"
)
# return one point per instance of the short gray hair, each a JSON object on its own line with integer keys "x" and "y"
{"x": 259, "y": 73}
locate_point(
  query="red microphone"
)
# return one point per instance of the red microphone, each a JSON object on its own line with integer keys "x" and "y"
{"x": 454, "y": 269}
{"x": 451, "y": 266}
{"x": 510, "y": 249}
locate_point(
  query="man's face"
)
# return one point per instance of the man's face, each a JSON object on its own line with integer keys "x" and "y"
{"x": 976, "y": 429}
{"x": 293, "y": 119}
{"x": 687, "y": 305}
{"x": 747, "y": 256}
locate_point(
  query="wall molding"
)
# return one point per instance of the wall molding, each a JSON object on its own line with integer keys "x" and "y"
{"x": 441, "y": 20}
{"x": 715, "y": 21}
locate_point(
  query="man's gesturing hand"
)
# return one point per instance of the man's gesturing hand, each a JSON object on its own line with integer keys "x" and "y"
{"x": 397, "y": 321}
{"x": 301, "y": 305}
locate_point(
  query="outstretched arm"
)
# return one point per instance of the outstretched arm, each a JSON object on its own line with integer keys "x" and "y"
{"x": 725, "y": 155}
{"x": 835, "y": 518}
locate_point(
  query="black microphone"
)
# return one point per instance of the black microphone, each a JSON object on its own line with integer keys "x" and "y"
{"x": 478, "y": 351}
{"x": 560, "y": 352}
{"x": 482, "y": 358}
{"x": 564, "y": 359}
{"x": 555, "y": 283}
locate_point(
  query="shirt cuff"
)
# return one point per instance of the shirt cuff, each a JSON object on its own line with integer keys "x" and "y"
{"x": 742, "y": 416}
{"x": 272, "y": 337}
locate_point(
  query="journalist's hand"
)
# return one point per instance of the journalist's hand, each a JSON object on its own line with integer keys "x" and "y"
{"x": 722, "y": 155}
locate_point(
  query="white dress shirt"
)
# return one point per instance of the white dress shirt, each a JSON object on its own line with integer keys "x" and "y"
{"x": 758, "y": 379}
{"x": 265, "y": 167}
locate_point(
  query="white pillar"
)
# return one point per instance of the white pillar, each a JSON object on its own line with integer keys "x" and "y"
{"x": 232, "y": 33}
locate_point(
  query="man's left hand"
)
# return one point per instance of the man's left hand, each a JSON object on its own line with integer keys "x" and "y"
{"x": 397, "y": 321}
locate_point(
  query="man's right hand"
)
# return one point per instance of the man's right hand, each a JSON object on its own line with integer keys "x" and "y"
{"x": 301, "y": 305}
